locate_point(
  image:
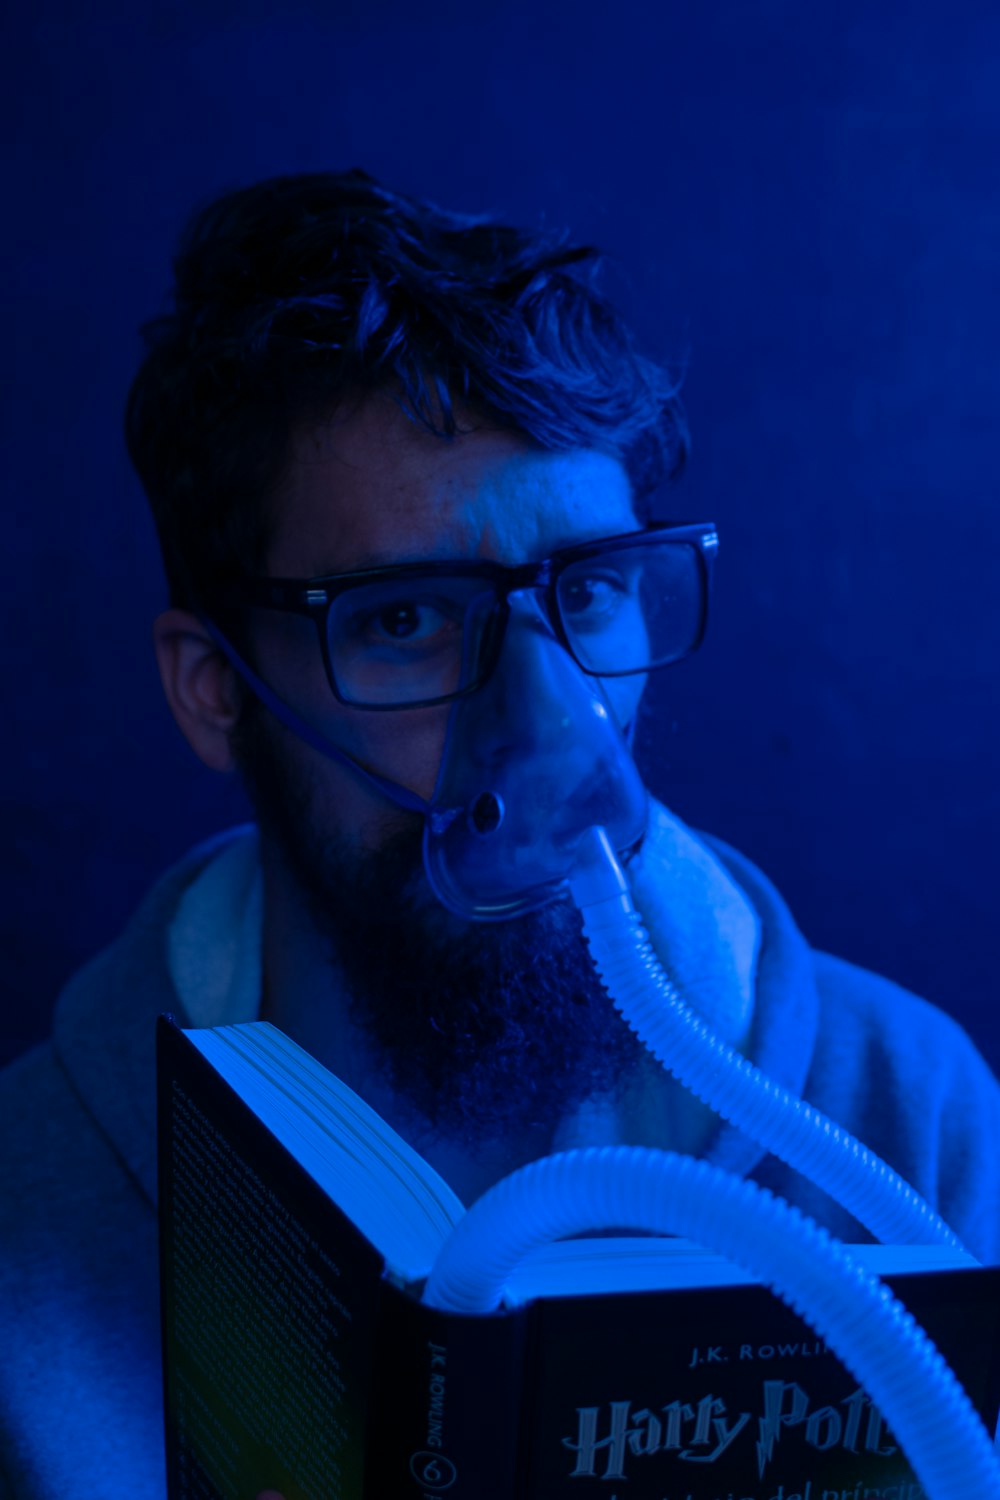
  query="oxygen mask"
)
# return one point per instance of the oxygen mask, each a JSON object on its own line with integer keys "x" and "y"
{"x": 543, "y": 665}
{"x": 533, "y": 759}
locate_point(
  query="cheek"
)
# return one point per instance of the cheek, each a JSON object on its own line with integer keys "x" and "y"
{"x": 285, "y": 650}
{"x": 321, "y": 798}
{"x": 405, "y": 745}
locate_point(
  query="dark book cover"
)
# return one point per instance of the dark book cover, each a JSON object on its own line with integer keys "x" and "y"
{"x": 291, "y": 1361}
{"x": 723, "y": 1393}
{"x": 269, "y": 1300}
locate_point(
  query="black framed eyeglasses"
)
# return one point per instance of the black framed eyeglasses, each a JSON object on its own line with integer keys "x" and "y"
{"x": 414, "y": 635}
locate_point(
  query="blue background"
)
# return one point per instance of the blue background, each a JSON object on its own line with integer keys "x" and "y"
{"x": 802, "y": 200}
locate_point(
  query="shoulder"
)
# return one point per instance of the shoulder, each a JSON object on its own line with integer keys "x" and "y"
{"x": 78, "y": 1294}
{"x": 884, "y": 1027}
{"x": 40, "y": 1114}
{"x": 907, "y": 1080}
{"x": 895, "y": 1071}
{"x": 76, "y": 1112}
{"x": 55, "y": 1161}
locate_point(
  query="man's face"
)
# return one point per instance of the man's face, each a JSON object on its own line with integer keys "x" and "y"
{"x": 482, "y": 1027}
{"x": 372, "y": 490}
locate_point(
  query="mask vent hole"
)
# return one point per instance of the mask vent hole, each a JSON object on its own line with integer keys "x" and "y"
{"x": 487, "y": 812}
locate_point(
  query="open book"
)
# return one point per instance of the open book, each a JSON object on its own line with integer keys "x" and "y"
{"x": 297, "y": 1229}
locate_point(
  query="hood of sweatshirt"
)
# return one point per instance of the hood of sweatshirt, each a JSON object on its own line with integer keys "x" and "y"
{"x": 193, "y": 949}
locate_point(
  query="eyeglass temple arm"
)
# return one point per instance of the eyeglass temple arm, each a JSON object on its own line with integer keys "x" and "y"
{"x": 401, "y": 795}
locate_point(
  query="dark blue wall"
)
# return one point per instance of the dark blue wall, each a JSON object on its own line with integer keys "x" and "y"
{"x": 802, "y": 197}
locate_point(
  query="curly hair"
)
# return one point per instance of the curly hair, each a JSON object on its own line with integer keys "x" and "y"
{"x": 299, "y": 292}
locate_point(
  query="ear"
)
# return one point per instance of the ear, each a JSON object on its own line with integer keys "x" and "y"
{"x": 202, "y": 689}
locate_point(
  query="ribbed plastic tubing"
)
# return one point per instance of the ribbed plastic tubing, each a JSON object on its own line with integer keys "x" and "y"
{"x": 871, "y": 1332}
{"x": 786, "y": 1126}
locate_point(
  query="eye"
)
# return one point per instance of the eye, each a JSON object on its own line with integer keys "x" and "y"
{"x": 592, "y": 599}
{"x": 405, "y": 622}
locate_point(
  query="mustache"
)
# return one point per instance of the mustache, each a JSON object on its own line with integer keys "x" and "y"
{"x": 486, "y": 1028}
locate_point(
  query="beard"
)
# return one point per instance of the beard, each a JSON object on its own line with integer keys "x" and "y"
{"x": 487, "y": 1030}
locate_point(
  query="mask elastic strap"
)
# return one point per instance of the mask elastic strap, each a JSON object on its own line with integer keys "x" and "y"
{"x": 401, "y": 795}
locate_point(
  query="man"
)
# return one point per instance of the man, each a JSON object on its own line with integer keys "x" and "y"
{"x": 362, "y": 411}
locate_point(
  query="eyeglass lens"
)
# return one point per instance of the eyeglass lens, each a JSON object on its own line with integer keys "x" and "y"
{"x": 410, "y": 640}
{"x": 633, "y": 608}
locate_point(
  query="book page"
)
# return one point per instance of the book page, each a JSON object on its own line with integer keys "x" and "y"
{"x": 572, "y": 1268}
{"x": 402, "y": 1206}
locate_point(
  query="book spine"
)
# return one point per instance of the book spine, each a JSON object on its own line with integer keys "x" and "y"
{"x": 445, "y": 1404}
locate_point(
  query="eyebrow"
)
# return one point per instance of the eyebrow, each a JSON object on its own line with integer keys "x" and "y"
{"x": 371, "y": 560}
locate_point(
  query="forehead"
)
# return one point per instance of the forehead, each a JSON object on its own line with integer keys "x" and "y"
{"x": 371, "y": 489}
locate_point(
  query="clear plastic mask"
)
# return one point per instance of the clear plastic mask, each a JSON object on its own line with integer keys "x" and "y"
{"x": 533, "y": 759}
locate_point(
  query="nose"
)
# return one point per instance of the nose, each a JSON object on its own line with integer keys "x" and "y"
{"x": 532, "y": 759}
{"x": 528, "y": 701}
